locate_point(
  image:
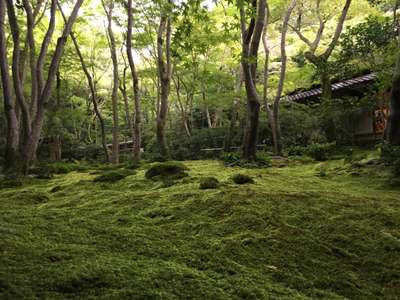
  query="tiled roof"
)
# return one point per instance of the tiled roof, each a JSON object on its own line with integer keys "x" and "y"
{"x": 335, "y": 87}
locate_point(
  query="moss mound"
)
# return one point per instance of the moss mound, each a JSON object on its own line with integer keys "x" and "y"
{"x": 242, "y": 179}
{"x": 31, "y": 197}
{"x": 47, "y": 170}
{"x": 209, "y": 183}
{"x": 56, "y": 189}
{"x": 170, "y": 169}
{"x": 112, "y": 176}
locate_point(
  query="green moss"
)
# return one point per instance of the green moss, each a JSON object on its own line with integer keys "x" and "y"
{"x": 242, "y": 179}
{"x": 46, "y": 170}
{"x": 112, "y": 176}
{"x": 170, "y": 169}
{"x": 30, "y": 197}
{"x": 293, "y": 235}
{"x": 209, "y": 183}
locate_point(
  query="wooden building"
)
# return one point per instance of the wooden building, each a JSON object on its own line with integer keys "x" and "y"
{"x": 368, "y": 124}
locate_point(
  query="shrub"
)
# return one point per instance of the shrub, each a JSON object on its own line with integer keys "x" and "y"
{"x": 397, "y": 168}
{"x": 92, "y": 152}
{"x": 394, "y": 182}
{"x": 209, "y": 183}
{"x": 296, "y": 151}
{"x": 390, "y": 154}
{"x": 231, "y": 159}
{"x": 234, "y": 159}
{"x": 181, "y": 153}
{"x": 170, "y": 169}
{"x": 45, "y": 175}
{"x": 46, "y": 170}
{"x": 320, "y": 152}
{"x": 184, "y": 147}
{"x": 132, "y": 164}
{"x": 112, "y": 176}
{"x": 59, "y": 168}
{"x": 6, "y": 183}
{"x": 263, "y": 159}
{"x": 242, "y": 179}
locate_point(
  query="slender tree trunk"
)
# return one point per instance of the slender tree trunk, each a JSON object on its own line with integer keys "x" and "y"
{"x": 282, "y": 77}
{"x": 164, "y": 70}
{"x": 55, "y": 137}
{"x": 231, "y": 129}
{"x": 233, "y": 112}
{"x": 114, "y": 95}
{"x": 268, "y": 109}
{"x": 273, "y": 113}
{"x": 126, "y": 105}
{"x": 162, "y": 119}
{"x": 12, "y": 130}
{"x": 181, "y": 108}
{"x": 272, "y": 123}
{"x": 93, "y": 92}
{"x": 208, "y": 116}
{"x": 137, "y": 138}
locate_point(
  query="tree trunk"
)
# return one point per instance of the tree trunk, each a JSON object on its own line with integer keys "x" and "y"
{"x": 231, "y": 129}
{"x": 233, "y": 111}
{"x": 55, "y": 136}
{"x": 114, "y": 95}
{"x": 162, "y": 119}
{"x": 126, "y": 105}
{"x": 164, "y": 70}
{"x": 93, "y": 92}
{"x": 277, "y": 129}
{"x": 326, "y": 96}
{"x": 326, "y": 86}
{"x": 55, "y": 147}
{"x": 12, "y": 130}
{"x": 32, "y": 130}
{"x": 271, "y": 112}
{"x": 137, "y": 139}
{"x": 181, "y": 108}
{"x": 251, "y": 37}
{"x": 208, "y": 117}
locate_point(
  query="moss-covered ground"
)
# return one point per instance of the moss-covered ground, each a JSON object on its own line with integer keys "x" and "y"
{"x": 302, "y": 231}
